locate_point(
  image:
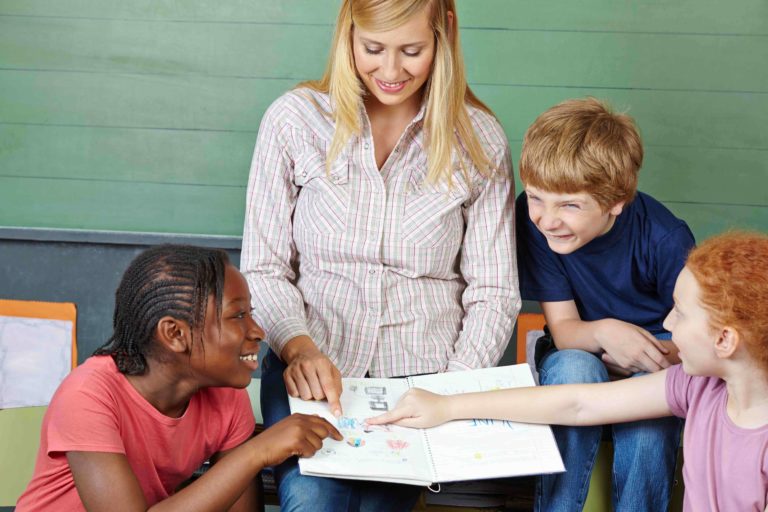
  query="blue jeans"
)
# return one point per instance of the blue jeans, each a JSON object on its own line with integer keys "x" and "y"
{"x": 645, "y": 452}
{"x": 298, "y": 492}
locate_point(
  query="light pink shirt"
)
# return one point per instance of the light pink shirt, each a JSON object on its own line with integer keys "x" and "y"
{"x": 726, "y": 466}
{"x": 388, "y": 274}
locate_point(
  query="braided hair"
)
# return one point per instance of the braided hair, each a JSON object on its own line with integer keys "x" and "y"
{"x": 167, "y": 280}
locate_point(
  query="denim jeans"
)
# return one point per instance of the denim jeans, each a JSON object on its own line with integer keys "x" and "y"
{"x": 298, "y": 492}
{"x": 645, "y": 452}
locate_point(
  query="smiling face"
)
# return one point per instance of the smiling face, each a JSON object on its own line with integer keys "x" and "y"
{"x": 395, "y": 64}
{"x": 569, "y": 221}
{"x": 692, "y": 332}
{"x": 230, "y": 347}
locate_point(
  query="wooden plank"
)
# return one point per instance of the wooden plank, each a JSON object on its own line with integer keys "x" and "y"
{"x": 137, "y": 101}
{"x": 117, "y": 155}
{"x": 218, "y": 49}
{"x": 701, "y": 175}
{"x": 314, "y": 12}
{"x": 121, "y": 206}
{"x": 609, "y": 60}
{"x": 606, "y": 60}
{"x": 120, "y": 155}
{"x": 669, "y": 118}
{"x": 219, "y": 210}
{"x": 216, "y": 103}
{"x": 705, "y": 16}
{"x": 706, "y": 220}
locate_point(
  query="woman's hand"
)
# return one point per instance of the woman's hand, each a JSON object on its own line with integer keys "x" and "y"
{"x": 298, "y": 435}
{"x": 310, "y": 374}
{"x": 417, "y": 408}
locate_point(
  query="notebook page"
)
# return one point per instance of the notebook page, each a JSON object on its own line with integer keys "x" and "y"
{"x": 374, "y": 452}
{"x": 477, "y": 449}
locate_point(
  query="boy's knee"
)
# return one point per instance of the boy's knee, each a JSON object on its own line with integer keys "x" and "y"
{"x": 649, "y": 437}
{"x": 572, "y": 366}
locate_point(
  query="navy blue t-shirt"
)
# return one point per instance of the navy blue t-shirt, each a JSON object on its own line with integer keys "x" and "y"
{"x": 628, "y": 273}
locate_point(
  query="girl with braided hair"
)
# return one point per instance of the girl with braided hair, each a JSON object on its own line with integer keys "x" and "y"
{"x": 162, "y": 396}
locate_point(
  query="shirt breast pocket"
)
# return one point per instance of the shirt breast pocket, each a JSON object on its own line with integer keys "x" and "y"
{"x": 433, "y": 213}
{"x": 322, "y": 206}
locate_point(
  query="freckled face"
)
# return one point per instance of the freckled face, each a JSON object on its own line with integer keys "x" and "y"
{"x": 569, "y": 221}
{"x": 395, "y": 64}
{"x": 230, "y": 346}
{"x": 690, "y": 326}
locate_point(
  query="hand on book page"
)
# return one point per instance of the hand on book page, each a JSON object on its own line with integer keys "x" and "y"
{"x": 295, "y": 435}
{"x": 311, "y": 374}
{"x": 417, "y": 408}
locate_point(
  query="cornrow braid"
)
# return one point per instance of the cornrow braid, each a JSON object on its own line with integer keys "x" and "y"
{"x": 167, "y": 280}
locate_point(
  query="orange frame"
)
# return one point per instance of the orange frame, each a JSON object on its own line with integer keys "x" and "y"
{"x": 527, "y": 322}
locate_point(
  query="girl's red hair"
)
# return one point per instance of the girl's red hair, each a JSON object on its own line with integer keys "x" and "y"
{"x": 732, "y": 273}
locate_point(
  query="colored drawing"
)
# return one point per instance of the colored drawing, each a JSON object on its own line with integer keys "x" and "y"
{"x": 348, "y": 423}
{"x": 397, "y": 445}
{"x": 355, "y": 442}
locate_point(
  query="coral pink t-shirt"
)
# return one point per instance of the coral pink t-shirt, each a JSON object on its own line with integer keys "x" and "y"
{"x": 726, "y": 466}
{"x": 96, "y": 409}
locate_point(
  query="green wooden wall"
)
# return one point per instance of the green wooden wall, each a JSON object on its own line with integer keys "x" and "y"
{"x": 140, "y": 115}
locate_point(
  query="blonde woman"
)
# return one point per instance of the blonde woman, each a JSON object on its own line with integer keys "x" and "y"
{"x": 378, "y": 233}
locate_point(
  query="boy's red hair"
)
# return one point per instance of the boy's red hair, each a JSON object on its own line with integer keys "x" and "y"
{"x": 579, "y": 146}
{"x": 732, "y": 273}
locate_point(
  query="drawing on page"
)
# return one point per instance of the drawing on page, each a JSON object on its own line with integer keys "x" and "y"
{"x": 376, "y": 396}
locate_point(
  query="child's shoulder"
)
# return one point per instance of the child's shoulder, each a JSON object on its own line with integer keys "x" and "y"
{"x": 100, "y": 368}
{"x": 658, "y": 223}
{"x": 651, "y": 208}
{"x": 96, "y": 378}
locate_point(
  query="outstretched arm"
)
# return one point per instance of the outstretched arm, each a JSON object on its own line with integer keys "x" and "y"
{"x": 574, "y": 404}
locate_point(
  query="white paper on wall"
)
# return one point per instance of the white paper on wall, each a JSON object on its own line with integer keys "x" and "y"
{"x": 35, "y": 356}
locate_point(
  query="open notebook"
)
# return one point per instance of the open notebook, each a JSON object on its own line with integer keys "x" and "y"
{"x": 458, "y": 450}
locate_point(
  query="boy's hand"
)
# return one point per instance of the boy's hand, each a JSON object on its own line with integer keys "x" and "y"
{"x": 310, "y": 374}
{"x": 630, "y": 348}
{"x": 296, "y": 435}
{"x": 417, "y": 408}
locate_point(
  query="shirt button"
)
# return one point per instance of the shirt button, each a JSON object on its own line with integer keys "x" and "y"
{"x": 366, "y": 145}
{"x": 371, "y": 271}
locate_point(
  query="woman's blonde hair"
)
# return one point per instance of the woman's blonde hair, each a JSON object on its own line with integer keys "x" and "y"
{"x": 447, "y": 125}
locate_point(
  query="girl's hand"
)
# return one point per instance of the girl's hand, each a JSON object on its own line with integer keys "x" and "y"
{"x": 310, "y": 374}
{"x": 417, "y": 408}
{"x": 296, "y": 435}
